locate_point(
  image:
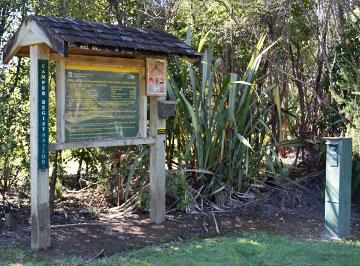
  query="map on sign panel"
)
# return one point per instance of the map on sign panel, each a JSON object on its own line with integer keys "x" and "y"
{"x": 101, "y": 103}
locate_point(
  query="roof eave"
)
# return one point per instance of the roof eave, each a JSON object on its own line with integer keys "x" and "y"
{"x": 35, "y": 30}
{"x": 190, "y": 56}
{"x": 32, "y": 32}
{"x": 56, "y": 41}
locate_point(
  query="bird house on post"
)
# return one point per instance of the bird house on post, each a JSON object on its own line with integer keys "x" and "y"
{"x": 105, "y": 76}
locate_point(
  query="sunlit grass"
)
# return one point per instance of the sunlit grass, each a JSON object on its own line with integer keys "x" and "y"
{"x": 259, "y": 249}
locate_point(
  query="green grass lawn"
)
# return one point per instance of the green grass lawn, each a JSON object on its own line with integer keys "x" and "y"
{"x": 255, "y": 249}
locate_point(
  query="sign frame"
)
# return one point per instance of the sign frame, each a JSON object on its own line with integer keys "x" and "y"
{"x": 105, "y": 63}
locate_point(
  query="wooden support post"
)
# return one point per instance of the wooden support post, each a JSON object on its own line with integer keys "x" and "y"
{"x": 40, "y": 216}
{"x": 143, "y": 105}
{"x": 60, "y": 100}
{"x": 157, "y": 165}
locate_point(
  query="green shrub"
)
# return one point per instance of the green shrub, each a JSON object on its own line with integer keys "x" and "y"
{"x": 177, "y": 188}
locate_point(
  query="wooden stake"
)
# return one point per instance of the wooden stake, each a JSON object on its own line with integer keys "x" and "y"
{"x": 40, "y": 215}
{"x": 157, "y": 165}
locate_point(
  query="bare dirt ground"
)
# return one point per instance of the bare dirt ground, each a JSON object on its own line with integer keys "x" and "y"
{"x": 109, "y": 232}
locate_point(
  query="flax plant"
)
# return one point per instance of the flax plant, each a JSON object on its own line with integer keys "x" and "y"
{"x": 222, "y": 128}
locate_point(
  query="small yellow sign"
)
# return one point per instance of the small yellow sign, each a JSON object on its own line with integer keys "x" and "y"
{"x": 161, "y": 130}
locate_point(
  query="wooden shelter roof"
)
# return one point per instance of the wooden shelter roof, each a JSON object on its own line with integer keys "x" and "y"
{"x": 65, "y": 35}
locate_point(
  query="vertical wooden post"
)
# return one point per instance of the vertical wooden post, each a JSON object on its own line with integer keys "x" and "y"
{"x": 157, "y": 165}
{"x": 40, "y": 216}
{"x": 143, "y": 105}
{"x": 60, "y": 101}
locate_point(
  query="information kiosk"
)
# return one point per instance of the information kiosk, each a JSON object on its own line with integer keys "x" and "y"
{"x": 104, "y": 77}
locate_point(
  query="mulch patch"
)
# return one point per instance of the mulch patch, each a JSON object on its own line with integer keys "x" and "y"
{"x": 107, "y": 231}
{"x": 119, "y": 233}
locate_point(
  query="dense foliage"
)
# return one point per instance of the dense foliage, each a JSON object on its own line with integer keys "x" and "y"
{"x": 276, "y": 77}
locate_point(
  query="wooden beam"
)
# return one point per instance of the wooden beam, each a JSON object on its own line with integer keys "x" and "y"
{"x": 99, "y": 60}
{"x": 143, "y": 105}
{"x": 157, "y": 164}
{"x": 40, "y": 215}
{"x": 101, "y": 143}
{"x": 60, "y": 101}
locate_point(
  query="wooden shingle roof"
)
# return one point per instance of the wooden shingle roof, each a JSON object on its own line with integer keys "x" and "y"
{"x": 63, "y": 34}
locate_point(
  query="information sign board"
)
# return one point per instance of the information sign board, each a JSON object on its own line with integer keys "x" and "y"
{"x": 101, "y": 103}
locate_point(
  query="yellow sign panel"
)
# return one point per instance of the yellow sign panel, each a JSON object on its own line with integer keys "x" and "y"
{"x": 108, "y": 69}
{"x": 161, "y": 130}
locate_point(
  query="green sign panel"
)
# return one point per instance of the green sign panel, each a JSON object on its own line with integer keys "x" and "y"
{"x": 101, "y": 105}
{"x": 43, "y": 114}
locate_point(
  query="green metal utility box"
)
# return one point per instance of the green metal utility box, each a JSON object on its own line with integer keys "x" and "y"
{"x": 338, "y": 187}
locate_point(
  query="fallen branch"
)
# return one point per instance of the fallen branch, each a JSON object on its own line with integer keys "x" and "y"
{"x": 216, "y": 225}
{"x": 91, "y": 259}
{"x": 205, "y": 227}
{"x": 85, "y": 224}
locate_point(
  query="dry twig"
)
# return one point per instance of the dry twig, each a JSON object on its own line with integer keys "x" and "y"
{"x": 215, "y": 222}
